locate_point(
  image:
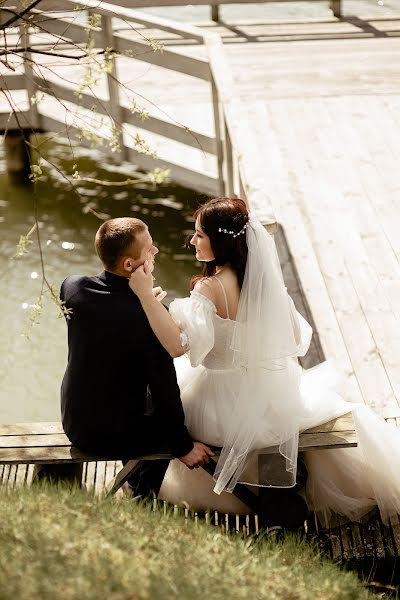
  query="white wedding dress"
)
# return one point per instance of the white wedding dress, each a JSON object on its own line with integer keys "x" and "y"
{"x": 346, "y": 481}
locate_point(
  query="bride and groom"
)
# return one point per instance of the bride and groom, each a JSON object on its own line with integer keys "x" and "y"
{"x": 235, "y": 382}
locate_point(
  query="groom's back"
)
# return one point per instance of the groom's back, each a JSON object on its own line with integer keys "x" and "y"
{"x": 111, "y": 350}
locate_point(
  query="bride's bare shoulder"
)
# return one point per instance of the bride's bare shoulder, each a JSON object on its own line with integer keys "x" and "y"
{"x": 205, "y": 287}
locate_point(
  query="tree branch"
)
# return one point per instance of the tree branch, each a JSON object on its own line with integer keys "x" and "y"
{"x": 17, "y": 15}
{"x": 47, "y": 53}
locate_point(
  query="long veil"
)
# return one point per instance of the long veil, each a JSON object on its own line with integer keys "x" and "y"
{"x": 268, "y": 408}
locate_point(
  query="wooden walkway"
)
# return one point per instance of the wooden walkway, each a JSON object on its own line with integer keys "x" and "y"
{"x": 326, "y": 126}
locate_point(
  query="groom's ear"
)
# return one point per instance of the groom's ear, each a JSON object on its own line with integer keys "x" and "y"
{"x": 128, "y": 264}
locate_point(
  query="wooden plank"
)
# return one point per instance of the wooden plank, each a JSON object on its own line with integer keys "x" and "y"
{"x": 56, "y": 454}
{"x": 395, "y": 530}
{"x": 195, "y": 67}
{"x": 34, "y": 441}
{"x": 388, "y": 543}
{"x": 37, "y": 435}
{"x": 333, "y": 439}
{"x": 174, "y": 132}
{"x": 124, "y": 11}
{"x": 9, "y": 122}
{"x": 331, "y": 229}
{"x": 189, "y": 178}
{"x": 115, "y": 111}
{"x": 371, "y": 293}
{"x": 283, "y": 188}
{"x": 251, "y": 175}
{"x": 90, "y": 476}
{"x": 43, "y": 455}
{"x": 61, "y": 4}
{"x": 181, "y": 63}
{"x": 358, "y": 546}
{"x": 22, "y": 472}
{"x": 13, "y": 82}
{"x": 31, "y": 429}
{"x": 322, "y": 441}
{"x": 343, "y": 423}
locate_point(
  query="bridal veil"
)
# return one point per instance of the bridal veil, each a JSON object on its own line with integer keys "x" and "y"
{"x": 265, "y": 343}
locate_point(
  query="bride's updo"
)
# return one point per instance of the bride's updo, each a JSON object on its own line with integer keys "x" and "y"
{"x": 224, "y": 222}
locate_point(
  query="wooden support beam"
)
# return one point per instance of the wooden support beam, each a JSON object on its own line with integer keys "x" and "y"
{"x": 17, "y": 157}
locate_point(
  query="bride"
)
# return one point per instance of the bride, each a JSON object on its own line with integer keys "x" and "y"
{"x": 238, "y": 337}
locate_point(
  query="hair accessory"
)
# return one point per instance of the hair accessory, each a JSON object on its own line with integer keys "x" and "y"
{"x": 232, "y": 232}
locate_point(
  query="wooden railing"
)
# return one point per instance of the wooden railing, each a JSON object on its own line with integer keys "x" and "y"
{"x": 231, "y": 146}
{"x": 334, "y": 5}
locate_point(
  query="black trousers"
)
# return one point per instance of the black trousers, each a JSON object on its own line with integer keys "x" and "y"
{"x": 148, "y": 479}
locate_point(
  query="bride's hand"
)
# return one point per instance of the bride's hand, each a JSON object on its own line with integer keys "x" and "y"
{"x": 159, "y": 293}
{"x": 141, "y": 280}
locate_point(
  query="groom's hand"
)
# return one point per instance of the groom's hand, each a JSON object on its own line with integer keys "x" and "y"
{"x": 199, "y": 456}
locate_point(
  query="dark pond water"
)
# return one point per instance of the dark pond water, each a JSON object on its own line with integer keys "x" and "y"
{"x": 31, "y": 368}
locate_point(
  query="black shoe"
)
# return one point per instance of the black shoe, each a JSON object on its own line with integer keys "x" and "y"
{"x": 283, "y": 508}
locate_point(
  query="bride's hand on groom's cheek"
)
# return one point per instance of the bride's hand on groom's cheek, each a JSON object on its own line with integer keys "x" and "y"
{"x": 141, "y": 280}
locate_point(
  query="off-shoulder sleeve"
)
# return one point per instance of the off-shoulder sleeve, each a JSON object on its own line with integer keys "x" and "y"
{"x": 302, "y": 330}
{"x": 194, "y": 316}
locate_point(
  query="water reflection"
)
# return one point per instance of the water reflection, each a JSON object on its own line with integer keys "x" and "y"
{"x": 31, "y": 370}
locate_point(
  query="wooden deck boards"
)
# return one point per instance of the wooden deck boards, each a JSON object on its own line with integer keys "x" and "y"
{"x": 328, "y": 158}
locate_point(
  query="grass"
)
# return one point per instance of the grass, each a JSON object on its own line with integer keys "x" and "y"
{"x": 63, "y": 544}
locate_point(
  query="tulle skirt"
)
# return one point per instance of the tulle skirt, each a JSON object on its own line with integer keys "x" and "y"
{"x": 348, "y": 481}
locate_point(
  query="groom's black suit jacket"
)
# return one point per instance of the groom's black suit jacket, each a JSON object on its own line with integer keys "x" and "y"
{"x": 119, "y": 395}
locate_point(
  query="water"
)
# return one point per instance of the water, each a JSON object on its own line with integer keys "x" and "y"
{"x": 31, "y": 369}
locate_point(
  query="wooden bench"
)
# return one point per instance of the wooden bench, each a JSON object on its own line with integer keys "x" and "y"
{"x": 46, "y": 443}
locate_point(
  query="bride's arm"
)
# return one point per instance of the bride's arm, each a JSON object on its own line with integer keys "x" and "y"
{"x": 163, "y": 325}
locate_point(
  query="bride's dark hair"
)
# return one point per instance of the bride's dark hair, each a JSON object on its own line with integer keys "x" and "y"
{"x": 230, "y": 214}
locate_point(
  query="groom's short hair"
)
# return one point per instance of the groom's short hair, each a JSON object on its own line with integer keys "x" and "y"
{"x": 115, "y": 237}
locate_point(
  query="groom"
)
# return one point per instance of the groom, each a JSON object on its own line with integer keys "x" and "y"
{"x": 119, "y": 395}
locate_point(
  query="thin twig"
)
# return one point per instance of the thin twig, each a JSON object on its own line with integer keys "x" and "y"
{"x": 17, "y": 15}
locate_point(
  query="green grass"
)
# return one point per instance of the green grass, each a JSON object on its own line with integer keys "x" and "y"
{"x": 63, "y": 544}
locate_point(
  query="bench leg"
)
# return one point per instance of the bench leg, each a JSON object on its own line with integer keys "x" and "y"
{"x": 127, "y": 471}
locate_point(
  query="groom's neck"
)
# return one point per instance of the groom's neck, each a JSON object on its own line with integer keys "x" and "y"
{"x": 120, "y": 273}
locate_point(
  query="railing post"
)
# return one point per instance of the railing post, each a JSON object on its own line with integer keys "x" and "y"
{"x": 228, "y": 152}
{"x": 114, "y": 106}
{"x": 30, "y": 84}
{"x": 335, "y": 7}
{"x": 215, "y": 13}
{"x": 218, "y": 140}
{"x": 242, "y": 191}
